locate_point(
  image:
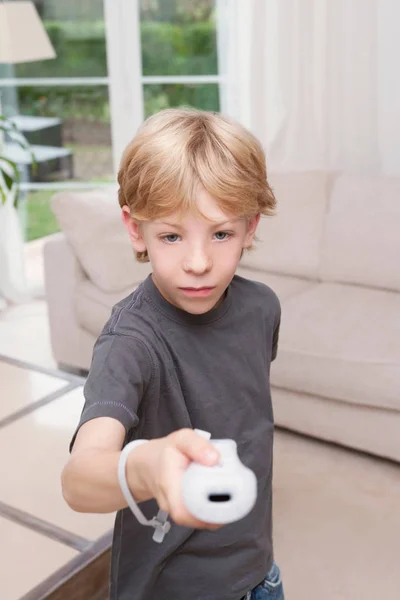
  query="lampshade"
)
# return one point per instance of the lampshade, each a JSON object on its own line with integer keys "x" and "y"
{"x": 22, "y": 35}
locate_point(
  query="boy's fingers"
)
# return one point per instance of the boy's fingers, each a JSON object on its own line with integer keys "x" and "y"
{"x": 195, "y": 447}
{"x": 174, "y": 470}
{"x": 162, "y": 501}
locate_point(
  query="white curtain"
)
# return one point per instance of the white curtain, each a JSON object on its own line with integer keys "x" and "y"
{"x": 316, "y": 80}
{"x": 13, "y": 284}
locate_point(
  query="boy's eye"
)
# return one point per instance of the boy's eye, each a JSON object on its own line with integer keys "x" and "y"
{"x": 170, "y": 238}
{"x": 222, "y": 235}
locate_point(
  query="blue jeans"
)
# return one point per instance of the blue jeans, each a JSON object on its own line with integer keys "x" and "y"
{"x": 270, "y": 588}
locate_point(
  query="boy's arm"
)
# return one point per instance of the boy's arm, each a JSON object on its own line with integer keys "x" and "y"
{"x": 154, "y": 470}
{"x": 89, "y": 479}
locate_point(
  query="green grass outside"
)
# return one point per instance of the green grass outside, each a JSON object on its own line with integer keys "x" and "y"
{"x": 37, "y": 218}
{"x": 40, "y": 221}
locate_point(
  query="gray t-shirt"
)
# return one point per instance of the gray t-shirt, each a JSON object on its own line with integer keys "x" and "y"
{"x": 157, "y": 369}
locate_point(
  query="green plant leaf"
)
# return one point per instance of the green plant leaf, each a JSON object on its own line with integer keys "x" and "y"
{"x": 8, "y": 180}
{"x": 18, "y": 138}
{"x": 13, "y": 132}
{"x": 15, "y": 172}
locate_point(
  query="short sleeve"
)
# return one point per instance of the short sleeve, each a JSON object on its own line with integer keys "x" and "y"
{"x": 275, "y": 341}
{"x": 119, "y": 375}
{"x": 275, "y": 337}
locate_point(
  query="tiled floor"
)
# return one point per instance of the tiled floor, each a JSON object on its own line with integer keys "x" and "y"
{"x": 45, "y": 434}
{"x": 336, "y": 512}
{"x": 39, "y": 409}
{"x": 24, "y": 388}
{"x": 27, "y": 558}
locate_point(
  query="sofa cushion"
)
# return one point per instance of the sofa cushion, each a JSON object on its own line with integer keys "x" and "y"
{"x": 290, "y": 242}
{"x": 362, "y": 241}
{"x": 341, "y": 342}
{"x": 92, "y": 224}
{"x": 366, "y": 428}
{"x": 93, "y": 306}
{"x": 284, "y": 286}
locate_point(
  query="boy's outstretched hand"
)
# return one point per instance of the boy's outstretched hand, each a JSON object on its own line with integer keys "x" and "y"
{"x": 160, "y": 465}
{"x": 154, "y": 470}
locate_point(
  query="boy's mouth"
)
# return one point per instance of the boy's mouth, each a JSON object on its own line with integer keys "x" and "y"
{"x": 200, "y": 292}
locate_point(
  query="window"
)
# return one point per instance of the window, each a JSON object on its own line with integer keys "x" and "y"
{"x": 62, "y": 107}
{"x": 179, "y": 54}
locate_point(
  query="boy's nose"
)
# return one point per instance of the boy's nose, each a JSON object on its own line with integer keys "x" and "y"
{"x": 197, "y": 262}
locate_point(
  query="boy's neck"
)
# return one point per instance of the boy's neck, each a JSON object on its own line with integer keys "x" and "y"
{"x": 177, "y": 312}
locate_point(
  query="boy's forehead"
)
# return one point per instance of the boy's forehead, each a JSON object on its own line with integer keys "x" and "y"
{"x": 194, "y": 220}
{"x": 186, "y": 217}
{"x": 205, "y": 208}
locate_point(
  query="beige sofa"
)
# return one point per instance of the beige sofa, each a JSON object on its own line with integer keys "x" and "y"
{"x": 332, "y": 254}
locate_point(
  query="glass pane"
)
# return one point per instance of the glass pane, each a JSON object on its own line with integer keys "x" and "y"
{"x": 157, "y": 97}
{"x": 76, "y": 29}
{"x": 68, "y": 129}
{"x": 178, "y": 37}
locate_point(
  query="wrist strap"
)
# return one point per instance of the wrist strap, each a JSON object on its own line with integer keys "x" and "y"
{"x": 160, "y": 523}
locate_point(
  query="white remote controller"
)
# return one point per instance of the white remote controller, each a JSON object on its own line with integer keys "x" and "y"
{"x": 223, "y": 493}
{"x": 220, "y": 494}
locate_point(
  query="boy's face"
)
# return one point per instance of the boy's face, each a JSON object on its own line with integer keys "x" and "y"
{"x": 193, "y": 259}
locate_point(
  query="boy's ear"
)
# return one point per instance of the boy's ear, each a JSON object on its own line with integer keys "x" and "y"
{"x": 252, "y": 225}
{"x": 133, "y": 229}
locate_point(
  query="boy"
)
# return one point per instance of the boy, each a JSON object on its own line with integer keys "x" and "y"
{"x": 190, "y": 348}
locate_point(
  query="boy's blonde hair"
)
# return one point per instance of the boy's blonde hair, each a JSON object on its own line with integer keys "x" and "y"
{"x": 177, "y": 150}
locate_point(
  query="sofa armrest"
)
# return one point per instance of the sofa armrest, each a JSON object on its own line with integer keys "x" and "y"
{"x": 71, "y": 345}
